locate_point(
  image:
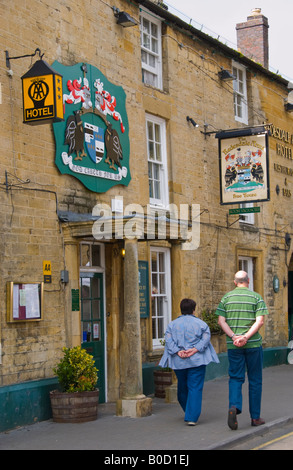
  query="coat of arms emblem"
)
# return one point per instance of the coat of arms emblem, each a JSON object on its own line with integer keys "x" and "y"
{"x": 92, "y": 143}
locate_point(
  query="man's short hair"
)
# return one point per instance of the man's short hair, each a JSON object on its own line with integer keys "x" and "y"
{"x": 187, "y": 306}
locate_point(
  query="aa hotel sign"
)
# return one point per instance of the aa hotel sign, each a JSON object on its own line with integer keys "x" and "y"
{"x": 42, "y": 95}
{"x": 244, "y": 169}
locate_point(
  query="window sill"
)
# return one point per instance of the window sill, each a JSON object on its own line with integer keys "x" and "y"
{"x": 152, "y": 87}
{"x": 241, "y": 121}
{"x": 156, "y": 354}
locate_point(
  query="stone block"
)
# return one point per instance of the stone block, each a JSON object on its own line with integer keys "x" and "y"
{"x": 134, "y": 407}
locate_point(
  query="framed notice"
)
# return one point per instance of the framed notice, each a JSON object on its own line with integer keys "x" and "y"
{"x": 244, "y": 167}
{"x": 24, "y": 301}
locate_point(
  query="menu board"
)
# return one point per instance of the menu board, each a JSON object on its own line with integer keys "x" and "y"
{"x": 143, "y": 276}
{"x": 24, "y": 301}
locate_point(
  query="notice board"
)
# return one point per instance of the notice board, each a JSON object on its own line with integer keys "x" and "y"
{"x": 24, "y": 301}
{"x": 143, "y": 276}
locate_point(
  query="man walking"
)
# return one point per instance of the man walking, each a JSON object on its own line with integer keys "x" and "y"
{"x": 241, "y": 315}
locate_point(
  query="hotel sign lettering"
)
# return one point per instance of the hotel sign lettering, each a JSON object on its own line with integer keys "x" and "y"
{"x": 283, "y": 149}
{"x": 285, "y": 137}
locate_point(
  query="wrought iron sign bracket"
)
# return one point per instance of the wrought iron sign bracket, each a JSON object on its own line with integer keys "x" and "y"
{"x": 205, "y": 132}
{"x": 10, "y": 184}
{"x": 208, "y": 133}
{"x": 8, "y": 59}
{"x": 230, "y": 225}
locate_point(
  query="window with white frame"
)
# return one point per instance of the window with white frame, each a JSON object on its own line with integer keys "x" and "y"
{"x": 161, "y": 293}
{"x": 151, "y": 49}
{"x": 249, "y": 217}
{"x": 91, "y": 255}
{"x": 245, "y": 263}
{"x": 240, "y": 93}
{"x": 157, "y": 161}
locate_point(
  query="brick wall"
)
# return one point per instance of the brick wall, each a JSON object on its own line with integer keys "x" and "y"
{"x": 252, "y": 38}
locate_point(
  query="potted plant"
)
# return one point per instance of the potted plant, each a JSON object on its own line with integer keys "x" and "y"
{"x": 78, "y": 399}
{"x": 163, "y": 378}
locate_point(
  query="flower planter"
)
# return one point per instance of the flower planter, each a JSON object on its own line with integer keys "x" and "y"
{"x": 77, "y": 407}
{"x": 162, "y": 379}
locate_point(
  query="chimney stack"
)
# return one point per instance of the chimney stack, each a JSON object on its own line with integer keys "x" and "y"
{"x": 253, "y": 37}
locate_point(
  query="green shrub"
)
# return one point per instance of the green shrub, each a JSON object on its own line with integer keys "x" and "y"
{"x": 211, "y": 319}
{"x": 76, "y": 371}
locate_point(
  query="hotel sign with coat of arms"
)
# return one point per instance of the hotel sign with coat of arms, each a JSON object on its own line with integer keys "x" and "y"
{"x": 92, "y": 143}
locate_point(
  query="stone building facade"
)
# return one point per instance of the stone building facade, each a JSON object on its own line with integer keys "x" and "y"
{"x": 116, "y": 279}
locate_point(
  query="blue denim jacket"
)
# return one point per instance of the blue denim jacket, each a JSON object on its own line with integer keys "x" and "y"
{"x": 186, "y": 332}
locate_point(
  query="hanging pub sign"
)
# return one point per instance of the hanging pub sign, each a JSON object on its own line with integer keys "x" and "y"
{"x": 244, "y": 168}
{"x": 92, "y": 144}
{"x": 42, "y": 94}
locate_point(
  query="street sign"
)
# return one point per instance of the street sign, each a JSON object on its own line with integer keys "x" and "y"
{"x": 244, "y": 210}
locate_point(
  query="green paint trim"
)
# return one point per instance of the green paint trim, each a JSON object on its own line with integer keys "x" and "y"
{"x": 25, "y": 403}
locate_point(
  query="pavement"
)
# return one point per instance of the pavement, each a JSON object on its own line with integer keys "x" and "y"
{"x": 164, "y": 430}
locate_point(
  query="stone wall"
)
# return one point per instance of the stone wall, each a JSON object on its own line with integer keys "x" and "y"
{"x": 30, "y": 230}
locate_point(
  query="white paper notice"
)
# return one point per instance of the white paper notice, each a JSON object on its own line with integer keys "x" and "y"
{"x": 15, "y": 301}
{"x": 32, "y": 301}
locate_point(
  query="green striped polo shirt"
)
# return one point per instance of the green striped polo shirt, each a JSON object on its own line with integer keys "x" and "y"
{"x": 240, "y": 307}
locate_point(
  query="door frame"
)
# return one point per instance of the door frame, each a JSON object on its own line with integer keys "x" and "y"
{"x": 99, "y": 270}
{"x": 250, "y": 270}
{"x": 156, "y": 343}
{"x": 290, "y": 305}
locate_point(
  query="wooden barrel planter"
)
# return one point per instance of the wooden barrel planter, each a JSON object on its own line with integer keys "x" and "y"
{"x": 78, "y": 407}
{"x": 162, "y": 379}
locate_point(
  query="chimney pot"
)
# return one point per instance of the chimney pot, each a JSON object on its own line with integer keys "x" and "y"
{"x": 256, "y": 11}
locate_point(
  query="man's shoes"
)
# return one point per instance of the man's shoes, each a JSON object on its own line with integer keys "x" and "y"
{"x": 232, "y": 419}
{"x": 191, "y": 423}
{"x": 257, "y": 422}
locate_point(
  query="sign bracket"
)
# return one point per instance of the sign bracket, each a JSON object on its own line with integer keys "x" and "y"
{"x": 9, "y": 184}
{"x": 8, "y": 59}
{"x": 230, "y": 225}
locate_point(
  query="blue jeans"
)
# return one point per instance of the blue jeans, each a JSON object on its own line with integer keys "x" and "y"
{"x": 252, "y": 358}
{"x": 189, "y": 391}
